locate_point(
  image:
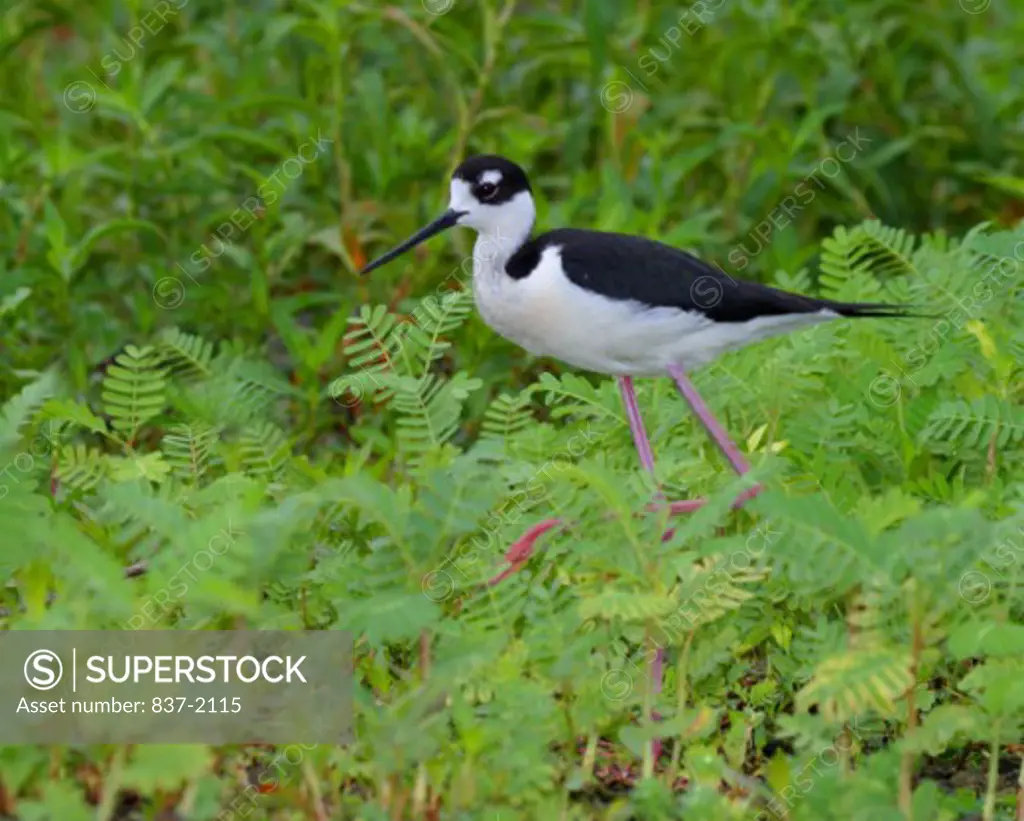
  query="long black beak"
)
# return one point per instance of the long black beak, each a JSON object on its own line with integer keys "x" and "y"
{"x": 446, "y": 220}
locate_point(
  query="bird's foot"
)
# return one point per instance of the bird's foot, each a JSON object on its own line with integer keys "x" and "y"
{"x": 675, "y": 508}
{"x": 747, "y": 495}
{"x": 522, "y": 548}
{"x": 690, "y": 505}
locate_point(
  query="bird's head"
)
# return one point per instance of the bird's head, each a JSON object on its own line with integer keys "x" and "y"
{"x": 489, "y": 194}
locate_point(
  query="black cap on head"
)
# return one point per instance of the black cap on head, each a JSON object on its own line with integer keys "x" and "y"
{"x": 495, "y": 188}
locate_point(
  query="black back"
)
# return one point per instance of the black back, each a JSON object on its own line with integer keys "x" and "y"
{"x": 627, "y": 267}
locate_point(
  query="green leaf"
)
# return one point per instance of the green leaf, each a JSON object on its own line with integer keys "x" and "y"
{"x": 157, "y": 82}
{"x": 630, "y": 607}
{"x": 996, "y": 684}
{"x": 74, "y": 413}
{"x": 81, "y": 468}
{"x": 149, "y": 466}
{"x": 80, "y": 253}
{"x": 166, "y": 766}
{"x": 17, "y": 410}
{"x": 941, "y": 727}
{"x": 391, "y": 616}
{"x": 847, "y": 685}
{"x": 10, "y": 303}
{"x": 59, "y": 799}
{"x": 133, "y": 389}
{"x": 976, "y": 639}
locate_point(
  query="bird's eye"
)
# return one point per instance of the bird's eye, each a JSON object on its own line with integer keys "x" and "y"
{"x": 486, "y": 190}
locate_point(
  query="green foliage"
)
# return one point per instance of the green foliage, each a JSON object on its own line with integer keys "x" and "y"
{"x": 188, "y": 449}
{"x": 831, "y": 592}
{"x": 133, "y": 389}
{"x": 976, "y": 424}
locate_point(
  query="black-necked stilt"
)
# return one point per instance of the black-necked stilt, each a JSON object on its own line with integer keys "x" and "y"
{"x": 611, "y": 303}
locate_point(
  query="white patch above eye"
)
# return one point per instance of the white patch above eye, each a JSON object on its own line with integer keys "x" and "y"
{"x": 492, "y": 176}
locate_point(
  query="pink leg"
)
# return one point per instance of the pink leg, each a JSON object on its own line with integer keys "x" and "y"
{"x": 643, "y": 448}
{"x": 717, "y": 432}
{"x": 636, "y": 424}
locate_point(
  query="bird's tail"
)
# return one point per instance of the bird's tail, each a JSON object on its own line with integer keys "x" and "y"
{"x": 877, "y": 309}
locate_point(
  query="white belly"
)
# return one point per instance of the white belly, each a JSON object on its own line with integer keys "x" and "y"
{"x": 549, "y": 315}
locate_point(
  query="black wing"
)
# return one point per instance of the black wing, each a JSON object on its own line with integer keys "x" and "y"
{"x": 627, "y": 267}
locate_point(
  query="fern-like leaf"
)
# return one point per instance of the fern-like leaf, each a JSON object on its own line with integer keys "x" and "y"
{"x": 265, "y": 451}
{"x": 150, "y": 467}
{"x": 186, "y": 354}
{"x": 371, "y": 346}
{"x": 73, "y": 414}
{"x": 80, "y": 468}
{"x": 434, "y": 318}
{"x": 133, "y": 389}
{"x": 18, "y": 410}
{"x": 430, "y": 410}
{"x": 239, "y": 393}
{"x": 506, "y": 416}
{"x": 189, "y": 448}
{"x": 627, "y": 606}
{"x": 379, "y": 345}
{"x": 851, "y": 683}
{"x": 854, "y": 262}
{"x": 708, "y": 591}
{"x": 975, "y": 424}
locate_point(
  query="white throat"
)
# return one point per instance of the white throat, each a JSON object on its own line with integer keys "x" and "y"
{"x": 502, "y": 234}
{"x": 493, "y": 249}
{"x": 501, "y": 229}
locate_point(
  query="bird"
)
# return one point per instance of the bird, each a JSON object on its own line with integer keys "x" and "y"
{"x": 615, "y": 304}
{"x": 610, "y": 303}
